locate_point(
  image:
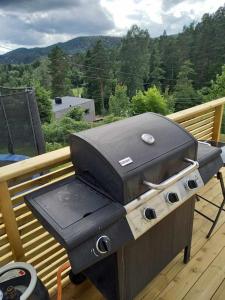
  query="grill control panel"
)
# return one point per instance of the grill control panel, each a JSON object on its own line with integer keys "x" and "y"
{"x": 157, "y": 207}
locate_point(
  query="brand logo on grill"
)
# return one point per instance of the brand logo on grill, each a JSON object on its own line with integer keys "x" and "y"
{"x": 126, "y": 161}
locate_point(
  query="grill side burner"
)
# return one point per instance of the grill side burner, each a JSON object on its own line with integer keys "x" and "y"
{"x": 118, "y": 159}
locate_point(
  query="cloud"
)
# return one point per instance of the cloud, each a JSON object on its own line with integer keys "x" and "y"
{"x": 168, "y": 4}
{"x": 39, "y": 5}
{"x": 39, "y": 22}
{"x": 44, "y": 22}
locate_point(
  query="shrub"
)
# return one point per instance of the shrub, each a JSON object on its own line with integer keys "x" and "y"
{"x": 75, "y": 113}
{"x": 119, "y": 104}
{"x": 59, "y": 130}
{"x": 150, "y": 100}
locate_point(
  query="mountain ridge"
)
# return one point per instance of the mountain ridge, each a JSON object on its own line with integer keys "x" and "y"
{"x": 73, "y": 46}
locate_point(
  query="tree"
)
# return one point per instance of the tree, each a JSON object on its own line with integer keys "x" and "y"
{"x": 58, "y": 131}
{"x": 97, "y": 76}
{"x": 134, "y": 59}
{"x": 150, "y": 100}
{"x": 119, "y": 102}
{"x": 41, "y": 73}
{"x": 156, "y": 71}
{"x": 184, "y": 94}
{"x": 217, "y": 90}
{"x": 58, "y": 69}
{"x": 44, "y": 103}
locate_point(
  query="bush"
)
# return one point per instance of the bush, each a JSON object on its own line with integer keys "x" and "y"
{"x": 109, "y": 119}
{"x": 150, "y": 100}
{"x": 75, "y": 113}
{"x": 53, "y": 146}
{"x": 59, "y": 130}
{"x": 119, "y": 104}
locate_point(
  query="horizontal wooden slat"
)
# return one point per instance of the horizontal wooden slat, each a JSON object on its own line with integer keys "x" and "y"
{"x": 36, "y": 241}
{"x": 45, "y": 245}
{"x": 21, "y": 210}
{"x": 199, "y": 124}
{"x": 2, "y": 229}
{"x": 37, "y": 260}
{"x": 202, "y": 128}
{"x": 3, "y": 240}
{"x": 203, "y": 133}
{"x": 32, "y": 233}
{"x": 196, "y": 110}
{"x": 50, "y": 258}
{"x": 4, "y": 259}
{"x": 207, "y": 137}
{"x": 25, "y": 218}
{"x": 41, "y": 180}
{"x": 195, "y": 120}
{"x": 19, "y": 199}
{"x": 50, "y": 271}
{"x": 35, "y": 164}
{"x": 5, "y": 249}
{"x": 29, "y": 226}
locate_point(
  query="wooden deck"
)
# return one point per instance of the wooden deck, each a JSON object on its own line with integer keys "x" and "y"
{"x": 202, "y": 278}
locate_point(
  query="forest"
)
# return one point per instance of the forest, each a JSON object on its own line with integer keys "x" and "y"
{"x": 163, "y": 75}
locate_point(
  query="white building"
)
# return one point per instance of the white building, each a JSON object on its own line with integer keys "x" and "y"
{"x": 61, "y": 105}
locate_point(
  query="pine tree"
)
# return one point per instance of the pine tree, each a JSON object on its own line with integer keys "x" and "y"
{"x": 156, "y": 70}
{"x": 134, "y": 57}
{"x": 58, "y": 69}
{"x": 184, "y": 94}
{"x": 98, "y": 76}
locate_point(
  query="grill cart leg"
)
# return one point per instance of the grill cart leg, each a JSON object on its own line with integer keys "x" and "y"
{"x": 220, "y": 207}
{"x": 187, "y": 254}
{"x": 220, "y": 178}
{"x": 76, "y": 279}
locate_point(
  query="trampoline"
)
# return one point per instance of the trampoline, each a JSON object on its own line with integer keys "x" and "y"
{"x": 21, "y": 135}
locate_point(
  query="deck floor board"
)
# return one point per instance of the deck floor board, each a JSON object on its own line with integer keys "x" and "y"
{"x": 203, "y": 278}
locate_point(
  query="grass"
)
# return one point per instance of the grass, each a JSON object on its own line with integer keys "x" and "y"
{"x": 77, "y": 92}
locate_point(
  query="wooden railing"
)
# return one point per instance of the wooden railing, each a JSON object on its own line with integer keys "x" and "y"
{"x": 22, "y": 238}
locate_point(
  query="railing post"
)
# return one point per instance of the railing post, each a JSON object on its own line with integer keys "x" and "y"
{"x": 217, "y": 123}
{"x": 9, "y": 220}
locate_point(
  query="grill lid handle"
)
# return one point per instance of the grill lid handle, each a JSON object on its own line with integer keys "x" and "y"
{"x": 165, "y": 184}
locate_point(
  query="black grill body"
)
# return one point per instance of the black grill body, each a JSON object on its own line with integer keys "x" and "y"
{"x": 93, "y": 211}
{"x": 97, "y": 154}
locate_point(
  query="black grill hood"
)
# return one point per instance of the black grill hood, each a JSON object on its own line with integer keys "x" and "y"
{"x": 116, "y": 159}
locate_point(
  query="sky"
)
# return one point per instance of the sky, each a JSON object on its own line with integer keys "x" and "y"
{"x": 38, "y": 23}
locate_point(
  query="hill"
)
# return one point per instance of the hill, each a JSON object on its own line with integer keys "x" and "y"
{"x": 76, "y": 45}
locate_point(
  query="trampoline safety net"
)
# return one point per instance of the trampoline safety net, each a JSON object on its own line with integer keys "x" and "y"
{"x": 20, "y": 126}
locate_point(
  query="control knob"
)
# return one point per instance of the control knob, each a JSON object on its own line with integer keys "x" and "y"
{"x": 149, "y": 214}
{"x": 192, "y": 184}
{"x": 172, "y": 198}
{"x": 103, "y": 244}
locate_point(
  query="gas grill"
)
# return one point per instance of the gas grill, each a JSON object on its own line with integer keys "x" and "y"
{"x": 128, "y": 211}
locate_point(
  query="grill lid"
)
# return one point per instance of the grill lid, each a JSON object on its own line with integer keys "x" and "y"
{"x": 119, "y": 156}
